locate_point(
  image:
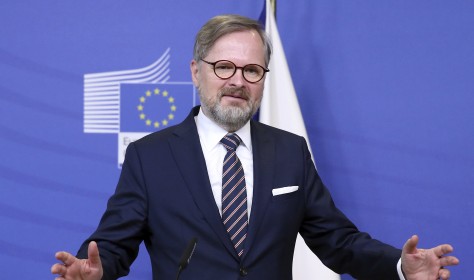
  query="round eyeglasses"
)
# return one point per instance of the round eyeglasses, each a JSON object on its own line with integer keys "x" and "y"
{"x": 225, "y": 69}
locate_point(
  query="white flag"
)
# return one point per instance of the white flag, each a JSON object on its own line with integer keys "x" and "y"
{"x": 280, "y": 109}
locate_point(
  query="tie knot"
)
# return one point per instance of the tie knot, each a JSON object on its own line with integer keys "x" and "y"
{"x": 231, "y": 141}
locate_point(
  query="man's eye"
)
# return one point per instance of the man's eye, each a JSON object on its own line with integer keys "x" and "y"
{"x": 252, "y": 70}
{"x": 224, "y": 67}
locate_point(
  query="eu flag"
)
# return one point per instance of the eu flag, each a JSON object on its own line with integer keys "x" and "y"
{"x": 152, "y": 107}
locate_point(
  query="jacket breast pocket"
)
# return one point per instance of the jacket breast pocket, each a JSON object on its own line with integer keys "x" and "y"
{"x": 286, "y": 211}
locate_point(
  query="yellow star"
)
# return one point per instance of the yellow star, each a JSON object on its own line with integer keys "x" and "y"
{"x": 156, "y": 124}
{"x": 157, "y": 91}
{"x": 173, "y": 108}
{"x": 142, "y": 116}
{"x": 165, "y": 93}
{"x": 148, "y": 122}
{"x": 148, "y": 93}
{"x": 142, "y": 99}
{"x": 164, "y": 122}
{"x": 170, "y": 116}
{"x": 171, "y": 100}
{"x": 140, "y": 107}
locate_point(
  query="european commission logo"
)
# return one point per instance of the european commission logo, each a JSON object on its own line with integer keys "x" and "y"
{"x": 134, "y": 103}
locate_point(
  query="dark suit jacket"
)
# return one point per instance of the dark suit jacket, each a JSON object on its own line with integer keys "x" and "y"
{"x": 164, "y": 198}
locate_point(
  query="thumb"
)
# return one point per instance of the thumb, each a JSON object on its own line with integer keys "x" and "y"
{"x": 410, "y": 245}
{"x": 93, "y": 254}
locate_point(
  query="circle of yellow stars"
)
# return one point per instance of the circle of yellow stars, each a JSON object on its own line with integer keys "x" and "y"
{"x": 141, "y": 108}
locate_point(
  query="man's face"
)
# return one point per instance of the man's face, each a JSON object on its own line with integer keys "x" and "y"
{"x": 230, "y": 102}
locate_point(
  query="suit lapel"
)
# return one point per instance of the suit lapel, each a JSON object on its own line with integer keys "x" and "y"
{"x": 187, "y": 151}
{"x": 263, "y": 156}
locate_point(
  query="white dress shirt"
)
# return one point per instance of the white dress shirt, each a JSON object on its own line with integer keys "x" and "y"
{"x": 210, "y": 135}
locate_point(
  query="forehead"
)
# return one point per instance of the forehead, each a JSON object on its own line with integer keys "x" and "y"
{"x": 239, "y": 46}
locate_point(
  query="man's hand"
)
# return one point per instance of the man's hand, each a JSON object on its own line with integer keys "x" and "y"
{"x": 73, "y": 268}
{"x": 426, "y": 264}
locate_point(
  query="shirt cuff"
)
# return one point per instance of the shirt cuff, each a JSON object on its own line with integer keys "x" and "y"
{"x": 399, "y": 269}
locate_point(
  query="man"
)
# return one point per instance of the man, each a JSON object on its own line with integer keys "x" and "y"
{"x": 243, "y": 189}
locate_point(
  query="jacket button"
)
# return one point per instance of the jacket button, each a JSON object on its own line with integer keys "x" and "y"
{"x": 243, "y": 271}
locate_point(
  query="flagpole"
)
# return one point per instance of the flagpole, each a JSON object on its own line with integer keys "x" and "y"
{"x": 274, "y": 8}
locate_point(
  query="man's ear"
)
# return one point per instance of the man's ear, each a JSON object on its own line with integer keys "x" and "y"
{"x": 195, "y": 72}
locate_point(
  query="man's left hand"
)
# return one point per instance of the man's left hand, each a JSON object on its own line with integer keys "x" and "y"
{"x": 426, "y": 264}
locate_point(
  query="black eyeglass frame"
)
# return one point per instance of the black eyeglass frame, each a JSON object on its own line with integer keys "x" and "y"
{"x": 265, "y": 70}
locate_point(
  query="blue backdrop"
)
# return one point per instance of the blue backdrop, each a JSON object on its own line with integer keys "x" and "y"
{"x": 385, "y": 88}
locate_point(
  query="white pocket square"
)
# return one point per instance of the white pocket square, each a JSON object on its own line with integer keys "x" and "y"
{"x": 284, "y": 190}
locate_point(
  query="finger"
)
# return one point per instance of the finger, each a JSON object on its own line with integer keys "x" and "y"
{"x": 58, "y": 268}
{"x": 448, "y": 260}
{"x": 93, "y": 254}
{"x": 410, "y": 245}
{"x": 444, "y": 273}
{"x": 65, "y": 257}
{"x": 443, "y": 249}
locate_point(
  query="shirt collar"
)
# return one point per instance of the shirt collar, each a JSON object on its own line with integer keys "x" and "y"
{"x": 211, "y": 134}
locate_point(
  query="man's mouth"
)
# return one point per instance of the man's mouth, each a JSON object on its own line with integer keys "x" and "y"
{"x": 235, "y": 95}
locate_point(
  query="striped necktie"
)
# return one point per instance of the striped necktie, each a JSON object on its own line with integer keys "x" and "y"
{"x": 234, "y": 194}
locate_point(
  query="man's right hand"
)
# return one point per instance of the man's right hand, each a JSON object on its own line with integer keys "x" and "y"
{"x": 73, "y": 268}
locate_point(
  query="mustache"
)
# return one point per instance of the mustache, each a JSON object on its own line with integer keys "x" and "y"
{"x": 238, "y": 92}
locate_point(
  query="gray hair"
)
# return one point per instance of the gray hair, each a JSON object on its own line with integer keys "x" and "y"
{"x": 222, "y": 25}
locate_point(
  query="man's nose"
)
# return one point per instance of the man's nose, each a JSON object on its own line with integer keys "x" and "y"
{"x": 237, "y": 79}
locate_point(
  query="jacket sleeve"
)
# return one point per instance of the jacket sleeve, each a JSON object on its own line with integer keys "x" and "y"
{"x": 336, "y": 240}
{"x": 123, "y": 225}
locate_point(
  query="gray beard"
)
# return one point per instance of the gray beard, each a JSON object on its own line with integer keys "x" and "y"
{"x": 231, "y": 118}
